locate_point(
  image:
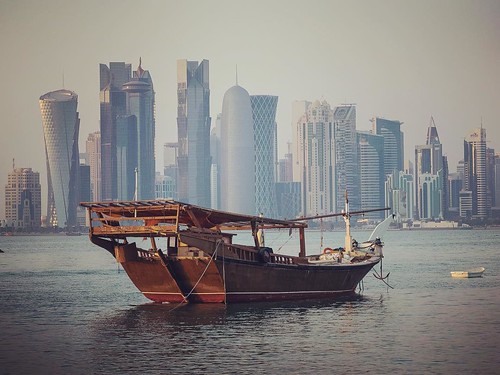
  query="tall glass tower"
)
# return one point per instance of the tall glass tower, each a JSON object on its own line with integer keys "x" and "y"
{"x": 475, "y": 179}
{"x": 393, "y": 143}
{"x": 61, "y": 126}
{"x": 193, "y": 127}
{"x": 371, "y": 167}
{"x": 113, "y": 103}
{"x": 264, "y": 124}
{"x": 141, "y": 104}
{"x": 346, "y": 156}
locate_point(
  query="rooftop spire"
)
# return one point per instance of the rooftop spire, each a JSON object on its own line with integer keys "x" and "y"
{"x": 236, "y": 74}
{"x": 432, "y": 133}
{"x": 140, "y": 71}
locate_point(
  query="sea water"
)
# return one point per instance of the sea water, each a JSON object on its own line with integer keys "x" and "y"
{"x": 66, "y": 307}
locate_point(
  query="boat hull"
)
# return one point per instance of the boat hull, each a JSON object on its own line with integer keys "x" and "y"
{"x": 217, "y": 280}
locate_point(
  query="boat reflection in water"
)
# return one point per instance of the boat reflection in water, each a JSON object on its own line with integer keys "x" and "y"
{"x": 203, "y": 264}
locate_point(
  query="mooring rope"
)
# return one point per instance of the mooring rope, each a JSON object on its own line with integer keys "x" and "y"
{"x": 203, "y": 274}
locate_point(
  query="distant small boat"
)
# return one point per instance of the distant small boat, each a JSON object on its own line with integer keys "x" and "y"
{"x": 474, "y": 272}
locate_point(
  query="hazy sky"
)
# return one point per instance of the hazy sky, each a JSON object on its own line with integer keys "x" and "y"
{"x": 402, "y": 60}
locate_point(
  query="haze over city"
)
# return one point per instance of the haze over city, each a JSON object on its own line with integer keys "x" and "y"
{"x": 402, "y": 60}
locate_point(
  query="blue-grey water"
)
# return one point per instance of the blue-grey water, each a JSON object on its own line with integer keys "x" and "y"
{"x": 67, "y": 308}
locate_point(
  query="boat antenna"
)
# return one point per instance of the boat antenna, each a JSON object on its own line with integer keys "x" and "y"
{"x": 347, "y": 220}
{"x": 135, "y": 192}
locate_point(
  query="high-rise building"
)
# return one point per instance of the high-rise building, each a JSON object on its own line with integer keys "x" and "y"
{"x": 315, "y": 153}
{"x": 475, "y": 180}
{"x": 61, "y": 126}
{"x": 347, "y": 176}
{"x": 237, "y": 169}
{"x": 170, "y": 165}
{"x": 215, "y": 150}
{"x": 141, "y": 105}
{"x": 113, "y": 103}
{"x": 23, "y": 200}
{"x": 429, "y": 160}
{"x": 126, "y": 157}
{"x": 193, "y": 126}
{"x": 393, "y": 143}
{"x": 299, "y": 108}
{"x": 264, "y": 123}
{"x": 399, "y": 195}
{"x": 93, "y": 150}
{"x": 371, "y": 176}
{"x": 285, "y": 166}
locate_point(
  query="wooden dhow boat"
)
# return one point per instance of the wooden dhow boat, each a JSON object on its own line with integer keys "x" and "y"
{"x": 202, "y": 263}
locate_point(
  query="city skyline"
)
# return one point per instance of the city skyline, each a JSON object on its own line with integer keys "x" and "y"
{"x": 401, "y": 61}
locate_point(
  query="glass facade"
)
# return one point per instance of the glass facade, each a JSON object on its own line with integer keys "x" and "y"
{"x": 264, "y": 123}
{"x": 371, "y": 167}
{"x": 61, "y": 126}
{"x": 193, "y": 126}
{"x": 346, "y": 157}
{"x": 113, "y": 103}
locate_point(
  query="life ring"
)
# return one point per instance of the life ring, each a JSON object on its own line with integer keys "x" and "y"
{"x": 328, "y": 250}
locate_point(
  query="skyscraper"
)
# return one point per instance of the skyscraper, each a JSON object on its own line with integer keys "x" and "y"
{"x": 93, "y": 150}
{"x": 23, "y": 200}
{"x": 193, "y": 126}
{"x": 264, "y": 122}
{"x": 475, "y": 174}
{"x": 346, "y": 156}
{"x": 371, "y": 176}
{"x": 141, "y": 104}
{"x": 237, "y": 172}
{"x": 429, "y": 161}
{"x": 113, "y": 103}
{"x": 61, "y": 126}
{"x": 315, "y": 148}
{"x": 126, "y": 157}
{"x": 393, "y": 143}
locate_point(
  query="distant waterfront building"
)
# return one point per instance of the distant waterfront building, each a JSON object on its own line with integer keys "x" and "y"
{"x": 126, "y": 157}
{"x": 215, "y": 151}
{"x": 23, "y": 199}
{"x": 193, "y": 127}
{"x": 371, "y": 176}
{"x": 93, "y": 150}
{"x": 113, "y": 103}
{"x": 347, "y": 177}
{"x": 315, "y": 152}
{"x": 164, "y": 187}
{"x": 299, "y": 107}
{"x": 285, "y": 166}
{"x": 237, "y": 169}
{"x": 475, "y": 179}
{"x": 393, "y": 143}
{"x": 61, "y": 126}
{"x": 84, "y": 193}
{"x": 454, "y": 188}
{"x": 264, "y": 123}
{"x": 141, "y": 104}
{"x": 429, "y": 160}
{"x": 400, "y": 195}
{"x": 288, "y": 199}
{"x": 170, "y": 165}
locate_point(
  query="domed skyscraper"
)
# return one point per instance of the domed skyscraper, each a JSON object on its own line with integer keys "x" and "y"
{"x": 237, "y": 152}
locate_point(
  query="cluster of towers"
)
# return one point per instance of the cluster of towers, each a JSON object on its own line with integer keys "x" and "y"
{"x": 232, "y": 163}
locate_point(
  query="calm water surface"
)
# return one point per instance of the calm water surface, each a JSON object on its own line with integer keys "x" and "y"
{"x": 67, "y": 308}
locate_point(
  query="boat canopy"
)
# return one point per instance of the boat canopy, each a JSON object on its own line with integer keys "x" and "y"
{"x": 162, "y": 218}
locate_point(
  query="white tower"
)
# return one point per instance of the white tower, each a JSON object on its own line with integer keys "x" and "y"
{"x": 237, "y": 153}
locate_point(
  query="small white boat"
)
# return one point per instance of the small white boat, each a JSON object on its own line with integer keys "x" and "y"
{"x": 474, "y": 272}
